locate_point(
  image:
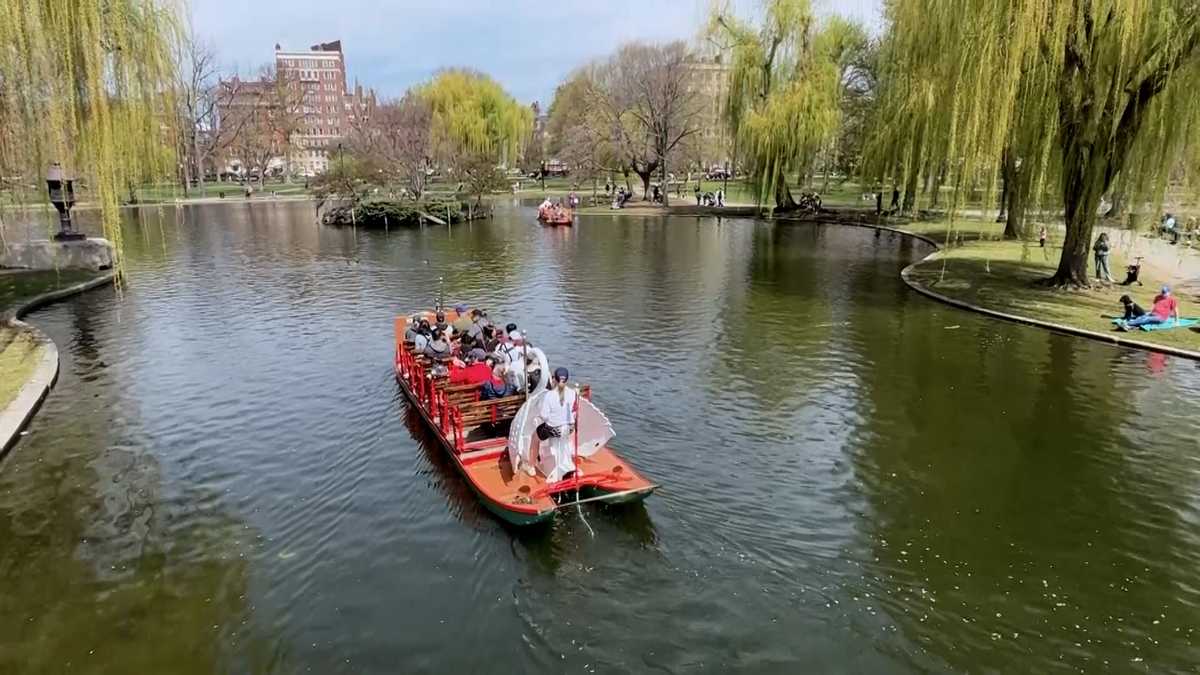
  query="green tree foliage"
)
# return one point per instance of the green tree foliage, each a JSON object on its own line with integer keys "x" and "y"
{"x": 475, "y": 127}
{"x": 787, "y": 82}
{"x": 350, "y": 178}
{"x": 1072, "y": 93}
{"x": 88, "y": 84}
{"x": 474, "y": 119}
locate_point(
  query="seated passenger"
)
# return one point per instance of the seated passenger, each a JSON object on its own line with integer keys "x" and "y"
{"x": 441, "y": 325}
{"x": 474, "y": 372}
{"x": 478, "y": 323}
{"x": 414, "y": 326}
{"x": 466, "y": 343}
{"x": 463, "y": 323}
{"x": 497, "y": 385}
{"x": 489, "y": 341}
{"x": 438, "y": 348}
{"x": 421, "y": 340}
{"x": 512, "y": 354}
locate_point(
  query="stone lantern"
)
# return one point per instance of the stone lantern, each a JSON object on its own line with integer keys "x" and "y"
{"x": 62, "y": 195}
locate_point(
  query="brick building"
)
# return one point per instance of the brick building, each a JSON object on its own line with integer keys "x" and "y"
{"x": 325, "y": 109}
{"x": 330, "y": 110}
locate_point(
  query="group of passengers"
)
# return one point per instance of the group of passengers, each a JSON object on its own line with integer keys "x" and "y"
{"x": 557, "y": 211}
{"x": 474, "y": 351}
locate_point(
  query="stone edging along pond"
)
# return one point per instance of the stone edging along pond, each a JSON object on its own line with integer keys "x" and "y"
{"x": 1056, "y": 327}
{"x": 21, "y": 410}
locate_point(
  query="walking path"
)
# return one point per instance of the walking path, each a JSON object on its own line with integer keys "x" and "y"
{"x": 1177, "y": 263}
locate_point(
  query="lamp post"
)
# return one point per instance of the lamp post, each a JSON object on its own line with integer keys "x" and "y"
{"x": 62, "y": 195}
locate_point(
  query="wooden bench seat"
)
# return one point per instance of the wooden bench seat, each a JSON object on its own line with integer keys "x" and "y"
{"x": 495, "y": 410}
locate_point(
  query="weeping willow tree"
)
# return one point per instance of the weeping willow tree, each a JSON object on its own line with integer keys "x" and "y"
{"x": 1069, "y": 93}
{"x": 785, "y": 88}
{"x": 87, "y": 84}
{"x": 475, "y": 126}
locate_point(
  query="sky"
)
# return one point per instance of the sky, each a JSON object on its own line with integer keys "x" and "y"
{"x": 527, "y": 46}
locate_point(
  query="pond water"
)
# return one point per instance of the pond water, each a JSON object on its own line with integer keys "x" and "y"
{"x": 855, "y": 478}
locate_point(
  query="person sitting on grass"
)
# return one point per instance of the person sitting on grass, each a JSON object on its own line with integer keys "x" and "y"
{"x": 1165, "y": 308}
{"x": 1132, "y": 309}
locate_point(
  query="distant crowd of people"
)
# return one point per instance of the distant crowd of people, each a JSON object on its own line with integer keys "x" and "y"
{"x": 620, "y": 196}
{"x": 1169, "y": 227}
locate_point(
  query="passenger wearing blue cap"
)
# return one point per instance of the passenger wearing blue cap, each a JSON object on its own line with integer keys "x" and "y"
{"x": 1166, "y": 308}
{"x": 558, "y": 411}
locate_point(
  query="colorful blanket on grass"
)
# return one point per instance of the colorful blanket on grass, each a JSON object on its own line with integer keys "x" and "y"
{"x": 1166, "y": 325}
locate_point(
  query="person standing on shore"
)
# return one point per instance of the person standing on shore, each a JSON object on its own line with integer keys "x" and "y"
{"x": 1101, "y": 250}
{"x": 1042, "y": 237}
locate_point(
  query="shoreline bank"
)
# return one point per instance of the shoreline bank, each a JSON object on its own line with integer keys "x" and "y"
{"x": 910, "y": 276}
{"x": 19, "y": 412}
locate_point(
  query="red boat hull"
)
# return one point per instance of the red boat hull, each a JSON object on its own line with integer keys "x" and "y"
{"x": 514, "y": 496}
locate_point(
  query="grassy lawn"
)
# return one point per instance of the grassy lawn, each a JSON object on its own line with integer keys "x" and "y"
{"x": 737, "y": 191}
{"x": 19, "y": 355}
{"x": 958, "y": 231}
{"x": 1001, "y": 275}
{"x": 166, "y": 192}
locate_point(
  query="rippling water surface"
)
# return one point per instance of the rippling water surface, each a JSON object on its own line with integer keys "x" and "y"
{"x": 226, "y": 478}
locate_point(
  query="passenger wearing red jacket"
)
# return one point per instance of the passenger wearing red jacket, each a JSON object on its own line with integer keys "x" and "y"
{"x": 475, "y": 372}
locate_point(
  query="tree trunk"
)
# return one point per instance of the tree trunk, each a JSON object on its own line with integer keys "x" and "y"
{"x": 914, "y": 174}
{"x": 1005, "y": 183}
{"x": 1014, "y": 224}
{"x": 199, "y": 164}
{"x": 1119, "y": 199}
{"x": 646, "y": 176}
{"x": 1011, "y": 204}
{"x": 185, "y": 174}
{"x": 662, "y": 173}
{"x": 1084, "y": 168}
{"x": 910, "y": 188}
{"x": 935, "y": 199}
{"x": 1117, "y": 212}
{"x": 783, "y": 197}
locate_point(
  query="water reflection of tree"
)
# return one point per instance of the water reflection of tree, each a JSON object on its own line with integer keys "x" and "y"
{"x": 777, "y": 317}
{"x": 1008, "y": 523}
